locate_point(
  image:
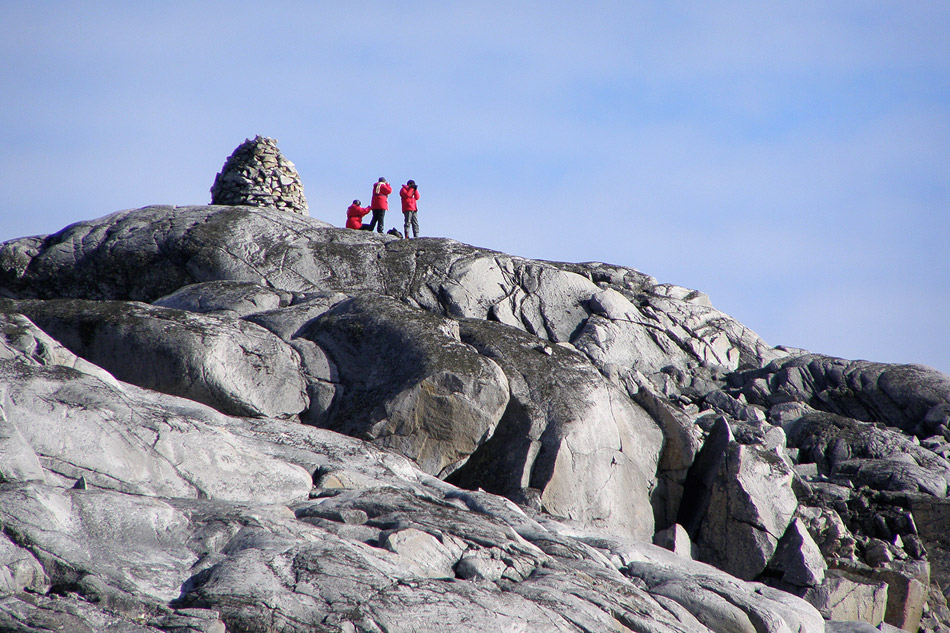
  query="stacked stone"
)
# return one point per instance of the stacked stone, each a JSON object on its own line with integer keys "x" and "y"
{"x": 256, "y": 174}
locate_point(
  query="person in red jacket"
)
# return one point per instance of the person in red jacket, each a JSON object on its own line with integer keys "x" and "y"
{"x": 354, "y": 216}
{"x": 409, "y": 194}
{"x": 379, "y": 203}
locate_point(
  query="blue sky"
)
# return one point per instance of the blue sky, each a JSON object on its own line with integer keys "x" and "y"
{"x": 790, "y": 159}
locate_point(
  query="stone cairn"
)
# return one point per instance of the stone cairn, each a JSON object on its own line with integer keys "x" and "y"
{"x": 257, "y": 174}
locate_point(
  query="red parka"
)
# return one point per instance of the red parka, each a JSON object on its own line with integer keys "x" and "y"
{"x": 354, "y": 216}
{"x": 380, "y": 191}
{"x": 409, "y": 196}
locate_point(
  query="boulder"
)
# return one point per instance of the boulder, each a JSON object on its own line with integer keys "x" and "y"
{"x": 868, "y": 454}
{"x": 234, "y": 297}
{"x": 907, "y": 397}
{"x": 409, "y": 383}
{"x": 233, "y": 365}
{"x": 750, "y": 506}
{"x": 567, "y": 434}
{"x": 676, "y": 539}
{"x": 931, "y": 517}
{"x": 132, "y": 440}
{"x": 908, "y": 584}
{"x": 842, "y": 596}
{"x": 422, "y": 551}
{"x": 797, "y": 559}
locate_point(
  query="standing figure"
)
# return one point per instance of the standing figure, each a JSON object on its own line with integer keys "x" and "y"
{"x": 354, "y": 216}
{"x": 379, "y": 204}
{"x": 409, "y": 194}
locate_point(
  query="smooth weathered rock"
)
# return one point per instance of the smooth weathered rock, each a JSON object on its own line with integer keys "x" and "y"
{"x": 151, "y": 252}
{"x": 238, "y": 297}
{"x": 254, "y": 564}
{"x": 21, "y": 340}
{"x": 585, "y": 400}
{"x": 135, "y": 441}
{"x": 29, "y": 613}
{"x": 421, "y": 551}
{"x": 410, "y": 384}
{"x": 191, "y": 621}
{"x": 18, "y": 461}
{"x": 131, "y": 542}
{"x": 144, "y": 254}
{"x": 230, "y": 364}
{"x": 715, "y": 598}
{"x": 19, "y": 570}
{"x": 842, "y": 596}
{"x": 288, "y": 321}
{"x": 750, "y": 507}
{"x": 567, "y": 433}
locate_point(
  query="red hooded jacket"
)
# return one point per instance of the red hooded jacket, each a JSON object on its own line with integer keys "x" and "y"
{"x": 409, "y": 196}
{"x": 380, "y": 191}
{"x": 354, "y": 216}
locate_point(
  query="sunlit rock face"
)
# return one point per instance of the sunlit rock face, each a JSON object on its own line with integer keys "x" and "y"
{"x": 232, "y": 417}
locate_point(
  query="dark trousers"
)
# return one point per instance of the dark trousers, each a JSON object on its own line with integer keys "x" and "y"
{"x": 411, "y": 221}
{"x": 378, "y": 215}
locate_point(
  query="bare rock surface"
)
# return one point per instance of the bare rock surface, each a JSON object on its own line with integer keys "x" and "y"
{"x": 411, "y": 384}
{"x": 750, "y": 506}
{"x": 569, "y": 438}
{"x": 231, "y": 364}
{"x": 234, "y": 418}
{"x": 377, "y": 545}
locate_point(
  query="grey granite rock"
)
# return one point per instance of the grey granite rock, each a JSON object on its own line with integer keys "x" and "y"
{"x": 233, "y": 365}
{"x": 410, "y": 384}
{"x": 131, "y": 440}
{"x": 902, "y": 396}
{"x": 235, "y": 297}
{"x": 567, "y": 433}
{"x": 797, "y": 557}
{"x": 868, "y": 454}
{"x": 845, "y": 597}
{"x": 583, "y": 392}
{"x": 750, "y": 507}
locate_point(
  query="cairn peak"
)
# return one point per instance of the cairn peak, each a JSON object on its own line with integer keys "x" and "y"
{"x": 257, "y": 174}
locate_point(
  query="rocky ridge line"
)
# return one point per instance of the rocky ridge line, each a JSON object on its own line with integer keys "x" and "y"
{"x": 614, "y": 410}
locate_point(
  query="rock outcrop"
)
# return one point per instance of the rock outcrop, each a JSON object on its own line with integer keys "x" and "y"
{"x": 237, "y": 418}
